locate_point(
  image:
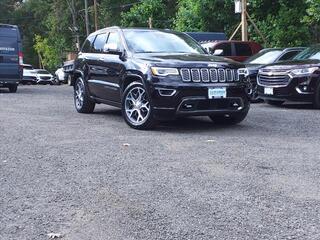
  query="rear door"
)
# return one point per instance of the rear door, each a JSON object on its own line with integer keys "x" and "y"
{"x": 10, "y": 69}
{"x": 96, "y": 72}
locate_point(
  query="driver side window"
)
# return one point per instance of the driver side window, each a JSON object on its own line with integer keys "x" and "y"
{"x": 113, "y": 42}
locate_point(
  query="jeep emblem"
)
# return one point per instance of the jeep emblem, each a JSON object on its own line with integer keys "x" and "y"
{"x": 212, "y": 65}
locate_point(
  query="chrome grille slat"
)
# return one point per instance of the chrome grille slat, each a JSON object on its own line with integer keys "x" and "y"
{"x": 273, "y": 78}
{"x": 205, "y": 75}
{"x": 195, "y": 75}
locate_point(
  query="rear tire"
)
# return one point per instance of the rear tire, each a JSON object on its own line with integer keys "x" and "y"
{"x": 229, "y": 119}
{"x": 13, "y": 88}
{"x": 82, "y": 101}
{"x": 316, "y": 101}
{"x": 275, "y": 103}
{"x": 136, "y": 107}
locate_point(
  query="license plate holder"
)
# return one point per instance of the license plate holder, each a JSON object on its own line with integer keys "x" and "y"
{"x": 217, "y": 92}
{"x": 268, "y": 91}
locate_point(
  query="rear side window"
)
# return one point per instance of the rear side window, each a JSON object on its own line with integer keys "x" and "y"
{"x": 87, "y": 46}
{"x": 289, "y": 55}
{"x": 243, "y": 49}
{"x": 226, "y": 47}
{"x": 99, "y": 42}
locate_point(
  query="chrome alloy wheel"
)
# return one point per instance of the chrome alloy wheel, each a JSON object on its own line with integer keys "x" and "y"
{"x": 137, "y": 107}
{"x": 79, "y": 94}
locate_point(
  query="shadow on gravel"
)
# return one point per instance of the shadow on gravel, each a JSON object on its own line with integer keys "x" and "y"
{"x": 303, "y": 106}
{"x": 188, "y": 124}
{"x": 196, "y": 124}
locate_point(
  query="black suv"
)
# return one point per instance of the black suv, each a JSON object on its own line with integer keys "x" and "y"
{"x": 296, "y": 80}
{"x": 155, "y": 75}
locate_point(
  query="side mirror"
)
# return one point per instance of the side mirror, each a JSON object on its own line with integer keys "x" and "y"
{"x": 218, "y": 52}
{"x": 112, "y": 48}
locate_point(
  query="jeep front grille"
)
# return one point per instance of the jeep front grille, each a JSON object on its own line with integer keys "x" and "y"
{"x": 209, "y": 75}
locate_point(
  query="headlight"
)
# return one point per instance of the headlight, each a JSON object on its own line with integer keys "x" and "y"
{"x": 304, "y": 71}
{"x": 243, "y": 71}
{"x": 160, "y": 71}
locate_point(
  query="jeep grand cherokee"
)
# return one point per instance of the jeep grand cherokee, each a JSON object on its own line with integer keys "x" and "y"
{"x": 157, "y": 74}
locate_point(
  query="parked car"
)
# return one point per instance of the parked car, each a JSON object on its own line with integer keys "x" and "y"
{"x": 29, "y": 75}
{"x": 11, "y": 58}
{"x": 157, "y": 74}
{"x": 62, "y": 77}
{"x": 265, "y": 57}
{"x": 295, "y": 80}
{"x": 236, "y": 50}
{"x": 44, "y": 77}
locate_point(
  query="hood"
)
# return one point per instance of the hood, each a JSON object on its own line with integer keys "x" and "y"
{"x": 187, "y": 60}
{"x": 291, "y": 65}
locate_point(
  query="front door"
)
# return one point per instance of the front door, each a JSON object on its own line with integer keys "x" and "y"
{"x": 105, "y": 77}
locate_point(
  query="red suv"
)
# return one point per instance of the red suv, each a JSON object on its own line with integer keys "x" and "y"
{"x": 236, "y": 50}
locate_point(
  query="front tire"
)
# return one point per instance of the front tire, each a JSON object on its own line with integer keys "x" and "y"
{"x": 316, "y": 101}
{"x": 136, "y": 107}
{"x": 82, "y": 101}
{"x": 13, "y": 88}
{"x": 275, "y": 103}
{"x": 229, "y": 119}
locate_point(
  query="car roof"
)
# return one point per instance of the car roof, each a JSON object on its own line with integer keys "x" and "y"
{"x": 103, "y": 30}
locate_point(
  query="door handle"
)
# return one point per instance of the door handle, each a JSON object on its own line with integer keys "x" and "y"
{"x": 101, "y": 59}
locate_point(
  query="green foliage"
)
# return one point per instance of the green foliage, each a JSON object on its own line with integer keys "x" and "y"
{"x": 283, "y": 22}
{"x": 139, "y": 14}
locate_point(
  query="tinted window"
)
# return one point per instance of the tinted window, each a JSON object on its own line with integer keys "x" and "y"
{"x": 289, "y": 55}
{"x": 226, "y": 47}
{"x": 42, "y": 72}
{"x": 309, "y": 53}
{"x": 9, "y": 32}
{"x": 100, "y": 42}
{"x": 87, "y": 46}
{"x": 114, "y": 40}
{"x": 147, "y": 41}
{"x": 243, "y": 49}
{"x": 265, "y": 57}
{"x": 28, "y": 67}
{"x": 8, "y": 45}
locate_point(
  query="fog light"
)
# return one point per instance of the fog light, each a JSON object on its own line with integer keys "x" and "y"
{"x": 166, "y": 92}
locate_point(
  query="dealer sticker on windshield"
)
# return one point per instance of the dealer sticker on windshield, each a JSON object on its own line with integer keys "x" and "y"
{"x": 217, "y": 92}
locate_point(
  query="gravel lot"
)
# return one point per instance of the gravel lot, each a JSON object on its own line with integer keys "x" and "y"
{"x": 76, "y": 175}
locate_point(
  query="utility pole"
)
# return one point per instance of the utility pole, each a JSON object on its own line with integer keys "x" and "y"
{"x": 244, "y": 22}
{"x": 86, "y": 17}
{"x": 95, "y": 14}
{"x": 241, "y": 7}
{"x": 150, "y": 22}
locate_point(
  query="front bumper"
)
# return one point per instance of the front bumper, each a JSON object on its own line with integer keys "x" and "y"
{"x": 45, "y": 81}
{"x": 295, "y": 91}
{"x": 191, "y": 99}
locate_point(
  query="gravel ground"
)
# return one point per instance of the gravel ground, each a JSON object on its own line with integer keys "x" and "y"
{"x": 92, "y": 177}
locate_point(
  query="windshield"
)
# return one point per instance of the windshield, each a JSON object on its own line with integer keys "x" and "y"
{"x": 147, "y": 41}
{"x": 265, "y": 57}
{"x": 310, "y": 53}
{"x": 42, "y": 72}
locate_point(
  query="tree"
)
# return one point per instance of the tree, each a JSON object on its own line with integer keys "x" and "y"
{"x": 139, "y": 15}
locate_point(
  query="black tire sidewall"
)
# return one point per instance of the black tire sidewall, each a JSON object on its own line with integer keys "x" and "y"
{"x": 150, "y": 122}
{"x": 316, "y": 102}
{"x": 13, "y": 88}
{"x": 88, "y": 105}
